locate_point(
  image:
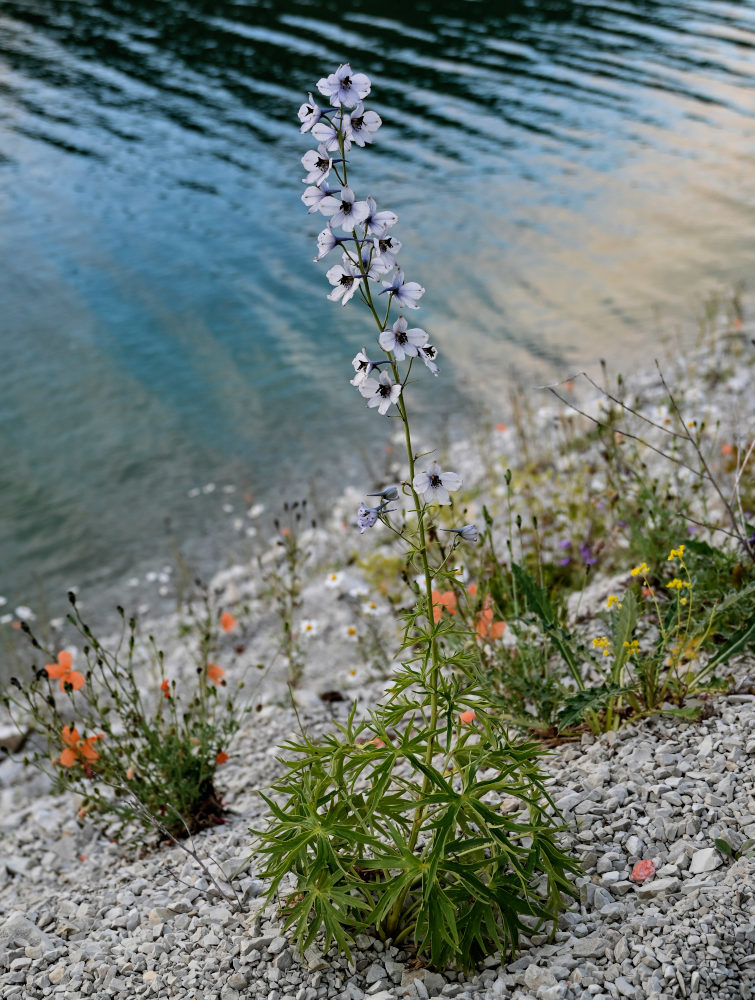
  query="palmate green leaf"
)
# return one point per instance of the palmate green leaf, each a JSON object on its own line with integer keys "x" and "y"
{"x": 389, "y": 892}
{"x": 436, "y": 925}
{"x": 444, "y": 826}
{"x": 324, "y": 901}
{"x": 589, "y": 700}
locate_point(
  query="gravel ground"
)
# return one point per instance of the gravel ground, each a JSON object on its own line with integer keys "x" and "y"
{"x": 80, "y": 919}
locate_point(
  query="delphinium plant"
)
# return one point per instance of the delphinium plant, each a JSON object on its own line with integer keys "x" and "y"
{"x": 138, "y": 744}
{"x": 395, "y": 821}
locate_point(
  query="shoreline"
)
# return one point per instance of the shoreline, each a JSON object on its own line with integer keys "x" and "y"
{"x": 656, "y": 789}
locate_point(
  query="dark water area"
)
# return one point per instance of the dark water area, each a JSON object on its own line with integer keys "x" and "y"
{"x": 570, "y": 177}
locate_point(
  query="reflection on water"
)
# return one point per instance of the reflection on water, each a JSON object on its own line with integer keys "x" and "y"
{"x": 562, "y": 171}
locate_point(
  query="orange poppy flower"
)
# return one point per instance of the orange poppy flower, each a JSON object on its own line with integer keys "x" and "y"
{"x": 221, "y": 758}
{"x": 443, "y": 599}
{"x": 63, "y": 669}
{"x": 466, "y": 717}
{"x": 472, "y": 590}
{"x": 227, "y": 622}
{"x": 727, "y": 449}
{"x": 215, "y": 673}
{"x": 78, "y": 748}
{"x": 165, "y": 687}
{"x": 501, "y": 427}
{"x": 486, "y": 627}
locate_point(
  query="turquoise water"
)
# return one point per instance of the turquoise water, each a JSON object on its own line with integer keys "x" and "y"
{"x": 565, "y": 173}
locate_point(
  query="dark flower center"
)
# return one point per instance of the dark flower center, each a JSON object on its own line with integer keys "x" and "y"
{"x": 384, "y": 390}
{"x": 435, "y": 481}
{"x": 357, "y": 123}
{"x": 346, "y": 83}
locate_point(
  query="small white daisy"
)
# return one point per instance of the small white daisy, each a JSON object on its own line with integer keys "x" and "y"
{"x": 334, "y": 579}
{"x": 308, "y": 627}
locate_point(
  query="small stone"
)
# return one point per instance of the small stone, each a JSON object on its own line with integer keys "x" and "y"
{"x": 285, "y": 960}
{"x": 621, "y": 951}
{"x": 375, "y": 973}
{"x": 613, "y": 911}
{"x": 434, "y": 983}
{"x": 590, "y": 947}
{"x": 625, "y": 987}
{"x": 410, "y": 975}
{"x": 705, "y": 746}
{"x": 57, "y": 974}
{"x": 276, "y": 945}
{"x": 601, "y": 897}
{"x": 642, "y": 870}
{"x": 315, "y": 960}
{"x": 394, "y": 969}
{"x": 535, "y": 977}
{"x": 635, "y": 846}
{"x": 706, "y": 860}
{"x": 658, "y": 887}
{"x": 421, "y": 989}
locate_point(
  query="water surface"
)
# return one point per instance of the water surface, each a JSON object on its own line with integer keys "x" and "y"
{"x": 565, "y": 173}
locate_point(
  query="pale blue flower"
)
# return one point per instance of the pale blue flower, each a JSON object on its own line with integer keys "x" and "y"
{"x": 346, "y": 280}
{"x": 380, "y": 393}
{"x": 434, "y": 485}
{"x": 309, "y": 114}
{"x": 387, "y": 247}
{"x": 405, "y": 293}
{"x": 389, "y": 493}
{"x": 318, "y": 163}
{"x": 378, "y": 223}
{"x": 349, "y": 212}
{"x": 367, "y": 516}
{"x": 344, "y": 87}
{"x": 326, "y": 132}
{"x": 320, "y": 199}
{"x": 359, "y": 126}
{"x": 327, "y": 241}
{"x": 428, "y": 354}
{"x": 402, "y": 342}
{"x": 468, "y": 532}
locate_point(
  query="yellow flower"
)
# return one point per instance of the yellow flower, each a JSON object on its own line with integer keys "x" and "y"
{"x": 643, "y": 568}
{"x": 676, "y": 553}
{"x": 633, "y": 646}
{"x": 602, "y": 642}
{"x": 612, "y": 600}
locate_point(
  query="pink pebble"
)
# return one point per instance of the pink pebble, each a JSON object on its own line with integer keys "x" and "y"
{"x": 642, "y": 870}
